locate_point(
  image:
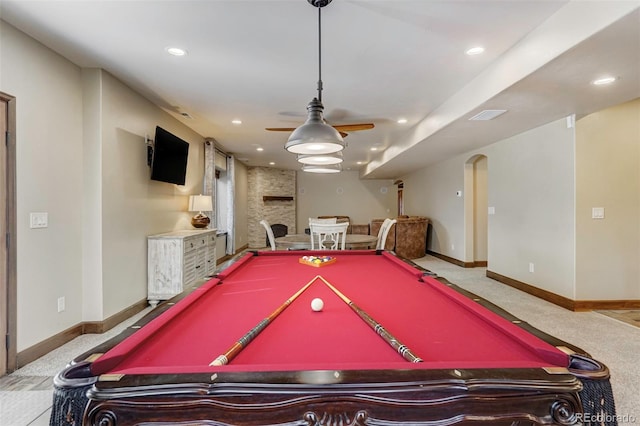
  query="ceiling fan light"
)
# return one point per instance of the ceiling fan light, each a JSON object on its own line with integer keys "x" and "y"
{"x": 328, "y": 168}
{"x": 321, "y": 159}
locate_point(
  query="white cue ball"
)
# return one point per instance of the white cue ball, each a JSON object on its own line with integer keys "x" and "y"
{"x": 317, "y": 304}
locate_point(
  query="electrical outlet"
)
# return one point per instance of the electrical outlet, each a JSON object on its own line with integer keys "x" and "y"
{"x": 453, "y": 247}
{"x": 60, "y": 304}
{"x": 531, "y": 267}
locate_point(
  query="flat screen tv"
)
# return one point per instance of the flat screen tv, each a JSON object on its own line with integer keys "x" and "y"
{"x": 169, "y": 158}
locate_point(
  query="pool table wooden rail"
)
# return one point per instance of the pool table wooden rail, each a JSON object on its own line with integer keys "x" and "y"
{"x": 425, "y": 397}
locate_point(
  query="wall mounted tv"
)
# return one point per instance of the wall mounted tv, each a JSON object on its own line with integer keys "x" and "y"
{"x": 169, "y": 158}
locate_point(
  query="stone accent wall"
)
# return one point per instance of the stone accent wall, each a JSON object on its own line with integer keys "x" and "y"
{"x": 265, "y": 181}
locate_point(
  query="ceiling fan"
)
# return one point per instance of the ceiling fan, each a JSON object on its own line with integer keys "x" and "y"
{"x": 342, "y": 128}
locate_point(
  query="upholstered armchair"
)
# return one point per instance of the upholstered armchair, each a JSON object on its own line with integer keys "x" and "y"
{"x": 411, "y": 236}
{"x": 362, "y": 229}
{"x": 353, "y": 228}
{"x": 408, "y": 237}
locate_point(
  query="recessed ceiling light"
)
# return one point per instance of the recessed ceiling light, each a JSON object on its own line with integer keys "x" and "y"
{"x": 271, "y": 163}
{"x": 374, "y": 148}
{"x": 236, "y": 121}
{"x": 475, "y": 50}
{"x": 604, "y": 80}
{"x": 359, "y": 162}
{"x": 402, "y": 120}
{"x": 260, "y": 149}
{"x": 176, "y": 51}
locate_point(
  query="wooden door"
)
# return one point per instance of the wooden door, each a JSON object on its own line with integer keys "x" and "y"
{"x": 3, "y": 247}
{"x": 8, "y": 300}
{"x": 400, "y": 197}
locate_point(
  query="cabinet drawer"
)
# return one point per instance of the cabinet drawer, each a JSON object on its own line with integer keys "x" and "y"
{"x": 194, "y": 243}
{"x": 190, "y": 245}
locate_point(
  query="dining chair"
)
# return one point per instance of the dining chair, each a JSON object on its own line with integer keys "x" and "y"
{"x": 272, "y": 239}
{"x": 328, "y": 236}
{"x": 384, "y": 232}
{"x": 324, "y": 220}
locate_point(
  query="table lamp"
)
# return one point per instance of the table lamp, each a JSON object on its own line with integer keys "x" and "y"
{"x": 200, "y": 203}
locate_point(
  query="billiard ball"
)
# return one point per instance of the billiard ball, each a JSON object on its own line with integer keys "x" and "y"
{"x": 317, "y": 304}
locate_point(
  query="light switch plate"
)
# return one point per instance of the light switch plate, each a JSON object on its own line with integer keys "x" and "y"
{"x": 597, "y": 213}
{"x": 38, "y": 220}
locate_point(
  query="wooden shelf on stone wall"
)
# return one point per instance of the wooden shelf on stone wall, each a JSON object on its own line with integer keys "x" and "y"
{"x": 276, "y": 198}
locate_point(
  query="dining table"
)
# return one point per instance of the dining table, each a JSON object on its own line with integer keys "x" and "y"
{"x": 303, "y": 241}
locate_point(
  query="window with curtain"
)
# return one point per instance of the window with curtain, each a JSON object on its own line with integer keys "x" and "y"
{"x": 222, "y": 191}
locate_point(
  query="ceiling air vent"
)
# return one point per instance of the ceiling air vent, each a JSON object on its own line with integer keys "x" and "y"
{"x": 488, "y": 114}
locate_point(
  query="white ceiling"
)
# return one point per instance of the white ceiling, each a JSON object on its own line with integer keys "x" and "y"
{"x": 257, "y": 61}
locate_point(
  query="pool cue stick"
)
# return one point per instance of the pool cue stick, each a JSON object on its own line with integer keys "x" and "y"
{"x": 251, "y": 334}
{"x": 379, "y": 329}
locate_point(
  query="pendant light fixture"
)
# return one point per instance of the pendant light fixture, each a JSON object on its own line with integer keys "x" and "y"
{"x": 320, "y": 159}
{"x": 315, "y": 136}
{"x": 329, "y": 168}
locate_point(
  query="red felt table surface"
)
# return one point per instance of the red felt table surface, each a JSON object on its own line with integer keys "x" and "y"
{"x": 444, "y": 328}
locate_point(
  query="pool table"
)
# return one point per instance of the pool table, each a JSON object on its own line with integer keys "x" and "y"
{"x": 346, "y": 364}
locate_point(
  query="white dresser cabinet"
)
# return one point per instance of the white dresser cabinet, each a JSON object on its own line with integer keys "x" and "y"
{"x": 177, "y": 260}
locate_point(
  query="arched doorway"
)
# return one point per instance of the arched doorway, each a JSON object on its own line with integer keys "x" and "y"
{"x": 476, "y": 210}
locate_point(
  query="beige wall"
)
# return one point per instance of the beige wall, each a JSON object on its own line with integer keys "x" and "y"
{"x": 49, "y": 155}
{"x": 344, "y": 194}
{"x": 530, "y": 185}
{"x": 133, "y": 206}
{"x": 543, "y": 184}
{"x": 92, "y": 299}
{"x": 608, "y": 175}
{"x": 431, "y": 192}
{"x": 81, "y": 157}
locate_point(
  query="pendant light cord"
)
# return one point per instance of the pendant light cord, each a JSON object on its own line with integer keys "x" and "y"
{"x": 320, "y": 54}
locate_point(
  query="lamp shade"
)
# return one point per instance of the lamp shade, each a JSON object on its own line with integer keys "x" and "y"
{"x": 321, "y": 159}
{"x": 200, "y": 203}
{"x": 328, "y": 168}
{"x": 315, "y": 136}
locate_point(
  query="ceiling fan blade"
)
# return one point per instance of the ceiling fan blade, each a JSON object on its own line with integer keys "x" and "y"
{"x": 281, "y": 129}
{"x": 353, "y": 127}
{"x": 342, "y": 128}
{"x": 291, "y": 129}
